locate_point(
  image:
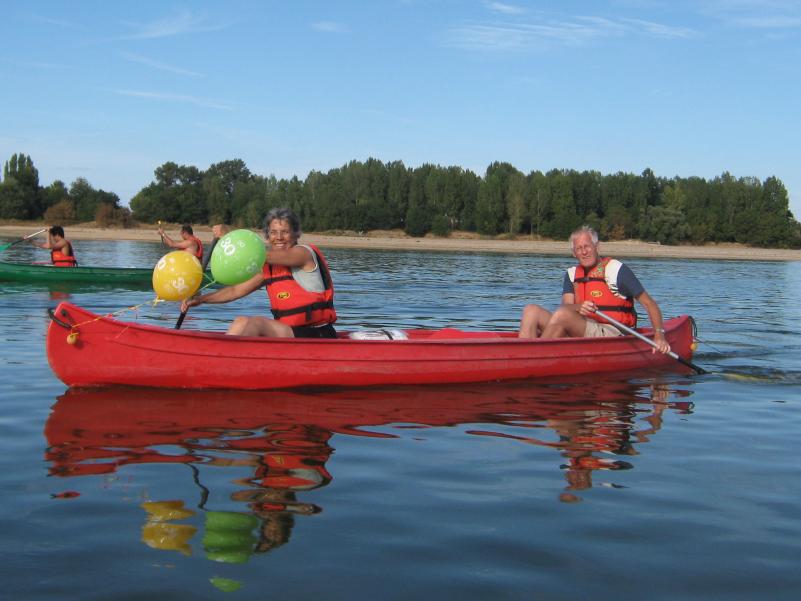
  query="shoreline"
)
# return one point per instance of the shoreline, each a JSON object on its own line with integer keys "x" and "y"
{"x": 459, "y": 242}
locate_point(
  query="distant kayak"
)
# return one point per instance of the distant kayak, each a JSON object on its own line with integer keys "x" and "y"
{"x": 21, "y": 272}
{"x": 85, "y": 349}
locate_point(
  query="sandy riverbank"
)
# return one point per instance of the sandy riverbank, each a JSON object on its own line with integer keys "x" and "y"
{"x": 394, "y": 240}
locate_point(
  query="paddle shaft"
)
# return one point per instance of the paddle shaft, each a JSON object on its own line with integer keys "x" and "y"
{"x": 205, "y": 264}
{"x": 5, "y": 246}
{"x": 648, "y": 341}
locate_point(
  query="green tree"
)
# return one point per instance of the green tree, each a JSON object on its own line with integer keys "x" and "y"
{"x": 216, "y": 200}
{"x": 398, "y": 179}
{"x": 563, "y": 217}
{"x": 175, "y": 195}
{"x": 665, "y": 225}
{"x": 773, "y": 224}
{"x": 87, "y": 199}
{"x": 418, "y": 216}
{"x": 22, "y": 200}
{"x": 537, "y": 197}
{"x": 54, "y": 193}
{"x": 490, "y": 205}
{"x": 12, "y": 200}
{"x": 516, "y": 202}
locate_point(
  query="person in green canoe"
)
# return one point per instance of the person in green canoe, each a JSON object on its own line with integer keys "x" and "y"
{"x": 189, "y": 242}
{"x": 596, "y": 283}
{"x": 61, "y": 253}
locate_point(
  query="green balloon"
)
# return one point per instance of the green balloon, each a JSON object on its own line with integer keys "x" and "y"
{"x": 237, "y": 257}
{"x": 228, "y": 556}
{"x": 226, "y": 585}
{"x": 221, "y": 540}
{"x": 230, "y": 520}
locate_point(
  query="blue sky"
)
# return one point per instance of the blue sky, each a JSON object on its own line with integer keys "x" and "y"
{"x": 110, "y": 90}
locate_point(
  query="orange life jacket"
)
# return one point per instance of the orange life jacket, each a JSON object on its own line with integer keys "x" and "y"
{"x": 593, "y": 286}
{"x": 60, "y": 259}
{"x": 292, "y": 304}
{"x": 199, "y": 251}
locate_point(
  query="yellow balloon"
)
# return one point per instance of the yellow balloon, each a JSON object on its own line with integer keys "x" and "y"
{"x": 164, "y": 511}
{"x": 177, "y": 276}
{"x": 168, "y": 537}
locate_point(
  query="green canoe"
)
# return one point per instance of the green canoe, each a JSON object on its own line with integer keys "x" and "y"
{"x": 17, "y": 272}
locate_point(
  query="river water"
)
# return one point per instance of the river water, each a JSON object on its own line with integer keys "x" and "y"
{"x": 659, "y": 485}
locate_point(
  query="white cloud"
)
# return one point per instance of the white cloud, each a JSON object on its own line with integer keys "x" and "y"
{"x": 179, "y": 98}
{"x": 768, "y": 22}
{"x": 34, "y": 64}
{"x": 59, "y": 22}
{"x": 661, "y": 31}
{"x": 578, "y": 31}
{"x": 143, "y": 60}
{"x": 755, "y": 14}
{"x": 506, "y": 9}
{"x": 329, "y": 27}
{"x": 182, "y": 23}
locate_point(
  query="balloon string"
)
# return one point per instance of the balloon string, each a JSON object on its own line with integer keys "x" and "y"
{"x": 153, "y": 302}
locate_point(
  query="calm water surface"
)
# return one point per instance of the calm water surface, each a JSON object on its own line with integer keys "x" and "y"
{"x": 659, "y": 485}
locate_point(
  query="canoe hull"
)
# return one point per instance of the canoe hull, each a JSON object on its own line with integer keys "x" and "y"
{"x": 110, "y": 352}
{"x": 17, "y": 272}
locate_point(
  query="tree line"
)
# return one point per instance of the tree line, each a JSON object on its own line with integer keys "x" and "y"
{"x": 372, "y": 195}
{"x": 21, "y": 197}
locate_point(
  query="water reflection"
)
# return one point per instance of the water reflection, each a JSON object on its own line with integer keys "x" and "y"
{"x": 274, "y": 446}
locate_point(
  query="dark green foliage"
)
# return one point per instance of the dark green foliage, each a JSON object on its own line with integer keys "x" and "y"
{"x": 418, "y": 215}
{"x": 373, "y": 195}
{"x": 12, "y": 200}
{"x": 664, "y": 225}
{"x": 87, "y": 199}
{"x": 20, "y": 196}
{"x": 440, "y": 226}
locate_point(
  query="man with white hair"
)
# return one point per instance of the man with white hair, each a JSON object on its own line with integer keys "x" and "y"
{"x": 594, "y": 284}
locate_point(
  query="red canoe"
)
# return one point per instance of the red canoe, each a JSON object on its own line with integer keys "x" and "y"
{"x": 85, "y": 349}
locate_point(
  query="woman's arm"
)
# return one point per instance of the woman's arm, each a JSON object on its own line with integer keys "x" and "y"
{"x": 227, "y": 294}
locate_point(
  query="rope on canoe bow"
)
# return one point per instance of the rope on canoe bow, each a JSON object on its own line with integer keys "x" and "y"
{"x": 72, "y": 337}
{"x": 73, "y": 328}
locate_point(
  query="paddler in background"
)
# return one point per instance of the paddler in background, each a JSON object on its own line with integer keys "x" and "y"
{"x": 298, "y": 284}
{"x": 61, "y": 253}
{"x": 189, "y": 242}
{"x": 596, "y": 283}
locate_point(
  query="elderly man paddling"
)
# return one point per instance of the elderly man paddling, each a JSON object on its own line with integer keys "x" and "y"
{"x": 594, "y": 284}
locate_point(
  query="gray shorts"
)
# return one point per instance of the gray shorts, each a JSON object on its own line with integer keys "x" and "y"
{"x": 596, "y": 329}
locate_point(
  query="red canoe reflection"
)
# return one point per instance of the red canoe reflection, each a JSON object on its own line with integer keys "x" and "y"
{"x": 95, "y": 431}
{"x": 283, "y": 438}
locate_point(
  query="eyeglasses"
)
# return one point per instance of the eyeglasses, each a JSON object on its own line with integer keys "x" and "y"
{"x": 279, "y": 233}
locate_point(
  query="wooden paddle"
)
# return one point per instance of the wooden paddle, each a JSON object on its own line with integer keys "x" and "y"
{"x": 205, "y": 264}
{"x": 10, "y": 244}
{"x": 636, "y": 334}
